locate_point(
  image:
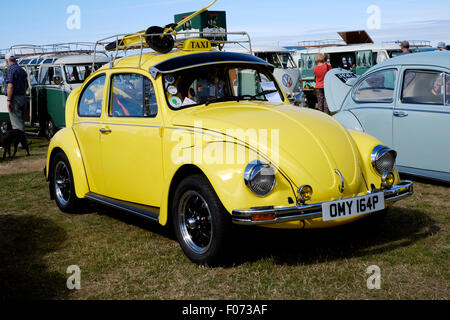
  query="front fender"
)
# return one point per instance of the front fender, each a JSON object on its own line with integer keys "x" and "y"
{"x": 65, "y": 141}
{"x": 365, "y": 144}
{"x": 226, "y": 177}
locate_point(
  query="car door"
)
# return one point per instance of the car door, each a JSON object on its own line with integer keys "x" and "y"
{"x": 131, "y": 141}
{"x": 52, "y": 96}
{"x": 372, "y": 103}
{"x": 422, "y": 120}
{"x": 87, "y": 125}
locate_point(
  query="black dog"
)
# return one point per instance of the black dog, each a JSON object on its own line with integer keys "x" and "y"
{"x": 13, "y": 137}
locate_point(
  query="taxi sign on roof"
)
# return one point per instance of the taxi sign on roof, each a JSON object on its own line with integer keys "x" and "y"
{"x": 197, "y": 45}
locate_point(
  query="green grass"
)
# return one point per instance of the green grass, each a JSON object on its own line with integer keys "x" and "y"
{"x": 124, "y": 257}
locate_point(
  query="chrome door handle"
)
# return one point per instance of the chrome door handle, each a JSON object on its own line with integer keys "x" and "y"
{"x": 400, "y": 114}
{"x": 104, "y": 131}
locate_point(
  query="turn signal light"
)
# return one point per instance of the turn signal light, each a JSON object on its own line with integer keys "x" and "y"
{"x": 387, "y": 180}
{"x": 305, "y": 193}
{"x": 263, "y": 217}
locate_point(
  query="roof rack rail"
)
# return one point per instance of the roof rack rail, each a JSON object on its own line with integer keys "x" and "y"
{"x": 57, "y": 48}
{"x": 412, "y": 43}
{"x": 320, "y": 43}
{"x": 139, "y": 42}
{"x": 3, "y": 52}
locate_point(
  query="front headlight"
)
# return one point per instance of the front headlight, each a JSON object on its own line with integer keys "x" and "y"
{"x": 383, "y": 159}
{"x": 260, "y": 178}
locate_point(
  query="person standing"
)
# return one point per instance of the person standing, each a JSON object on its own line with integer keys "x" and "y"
{"x": 16, "y": 86}
{"x": 320, "y": 71}
{"x": 405, "y": 48}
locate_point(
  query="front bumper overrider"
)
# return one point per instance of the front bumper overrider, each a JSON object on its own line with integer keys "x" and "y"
{"x": 310, "y": 211}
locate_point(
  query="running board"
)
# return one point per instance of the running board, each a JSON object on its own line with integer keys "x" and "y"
{"x": 148, "y": 212}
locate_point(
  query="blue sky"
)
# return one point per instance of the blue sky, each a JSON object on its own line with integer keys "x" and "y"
{"x": 282, "y": 22}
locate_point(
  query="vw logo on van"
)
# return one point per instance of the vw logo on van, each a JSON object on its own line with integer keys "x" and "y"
{"x": 287, "y": 81}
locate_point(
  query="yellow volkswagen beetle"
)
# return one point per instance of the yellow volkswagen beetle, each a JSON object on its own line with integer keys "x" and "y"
{"x": 201, "y": 139}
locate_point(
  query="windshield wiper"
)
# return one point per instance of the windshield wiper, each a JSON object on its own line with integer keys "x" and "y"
{"x": 239, "y": 98}
{"x": 221, "y": 99}
{"x": 263, "y": 93}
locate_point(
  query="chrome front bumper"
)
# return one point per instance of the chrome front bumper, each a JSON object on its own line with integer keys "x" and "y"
{"x": 311, "y": 211}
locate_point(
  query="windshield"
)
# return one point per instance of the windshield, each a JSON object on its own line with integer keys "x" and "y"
{"x": 218, "y": 83}
{"x": 78, "y": 73}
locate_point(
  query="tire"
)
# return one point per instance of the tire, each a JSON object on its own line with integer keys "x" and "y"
{"x": 201, "y": 223}
{"x": 50, "y": 129}
{"x": 62, "y": 184}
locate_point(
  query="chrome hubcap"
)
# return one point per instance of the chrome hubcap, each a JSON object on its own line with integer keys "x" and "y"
{"x": 62, "y": 183}
{"x": 195, "y": 222}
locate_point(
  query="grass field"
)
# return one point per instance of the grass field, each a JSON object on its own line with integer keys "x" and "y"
{"x": 124, "y": 257}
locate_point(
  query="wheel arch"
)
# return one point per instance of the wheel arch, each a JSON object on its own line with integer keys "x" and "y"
{"x": 65, "y": 141}
{"x": 181, "y": 173}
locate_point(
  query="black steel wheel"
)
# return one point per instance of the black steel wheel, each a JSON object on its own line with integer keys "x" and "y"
{"x": 200, "y": 221}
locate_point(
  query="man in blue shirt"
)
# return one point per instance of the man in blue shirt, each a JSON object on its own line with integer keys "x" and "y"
{"x": 16, "y": 86}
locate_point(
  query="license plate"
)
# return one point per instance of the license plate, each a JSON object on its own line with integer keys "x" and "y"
{"x": 352, "y": 207}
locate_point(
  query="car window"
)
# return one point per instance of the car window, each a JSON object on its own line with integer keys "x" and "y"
{"x": 47, "y": 74}
{"x": 447, "y": 89}
{"x": 132, "y": 95}
{"x": 33, "y": 75}
{"x": 79, "y": 73}
{"x": 378, "y": 87}
{"x": 423, "y": 87}
{"x": 91, "y": 100}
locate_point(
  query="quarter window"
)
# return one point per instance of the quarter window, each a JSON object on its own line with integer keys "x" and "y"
{"x": 423, "y": 87}
{"x": 378, "y": 87}
{"x": 91, "y": 100}
{"x": 132, "y": 95}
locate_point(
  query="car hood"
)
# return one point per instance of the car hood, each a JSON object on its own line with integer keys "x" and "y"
{"x": 311, "y": 145}
{"x": 337, "y": 85}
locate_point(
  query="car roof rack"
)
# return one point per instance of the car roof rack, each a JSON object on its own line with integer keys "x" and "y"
{"x": 217, "y": 39}
{"x": 55, "y": 49}
{"x": 412, "y": 43}
{"x": 320, "y": 43}
{"x": 25, "y": 52}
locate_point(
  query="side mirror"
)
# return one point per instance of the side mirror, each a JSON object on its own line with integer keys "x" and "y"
{"x": 57, "y": 80}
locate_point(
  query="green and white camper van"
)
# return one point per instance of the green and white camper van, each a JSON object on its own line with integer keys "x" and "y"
{"x": 53, "y": 72}
{"x": 356, "y": 52}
